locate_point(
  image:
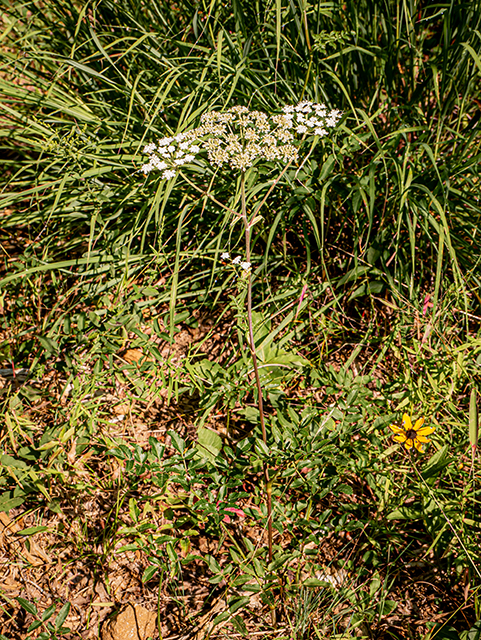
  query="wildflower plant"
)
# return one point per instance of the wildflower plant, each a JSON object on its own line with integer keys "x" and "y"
{"x": 237, "y": 140}
{"x": 410, "y": 435}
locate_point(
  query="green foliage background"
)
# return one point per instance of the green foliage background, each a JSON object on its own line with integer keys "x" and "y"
{"x": 382, "y": 214}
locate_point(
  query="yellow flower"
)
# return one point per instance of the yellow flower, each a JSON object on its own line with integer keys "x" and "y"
{"x": 410, "y": 435}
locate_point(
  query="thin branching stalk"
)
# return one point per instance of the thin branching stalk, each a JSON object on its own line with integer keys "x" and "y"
{"x": 260, "y": 402}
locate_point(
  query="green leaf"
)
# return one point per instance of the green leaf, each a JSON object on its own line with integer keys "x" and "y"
{"x": 177, "y": 442}
{"x": 10, "y": 461}
{"x": 7, "y": 503}
{"x": 474, "y": 633}
{"x": 149, "y": 572}
{"x": 31, "y": 530}
{"x": 405, "y": 513}
{"x": 62, "y": 614}
{"x": 212, "y": 563}
{"x": 386, "y": 607}
{"x": 28, "y": 606}
{"x": 261, "y": 448}
{"x": 209, "y": 443}
{"x": 314, "y": 582}
{"x": 237, "y": 602}
{"x": 436, "y": 463}
{"x": 48, "y": 612}
{"x": 440, "y": 632}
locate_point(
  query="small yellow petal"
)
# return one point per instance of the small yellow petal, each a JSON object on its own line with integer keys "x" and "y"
{"x": 400, "y": 438}
{"x": 407, "y": 424}
{"x": 422, "y": 438}
{"x": 396, "y": 428}
{"x": 418, "y": 446}
{"x": 419, "y": 424}
{"x": 425, "y": 431}
{"x": 408, "y": 444}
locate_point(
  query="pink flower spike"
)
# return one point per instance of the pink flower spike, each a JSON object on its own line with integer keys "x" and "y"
{"x": 426, "y": 303}
{"x": 301, "y": 298}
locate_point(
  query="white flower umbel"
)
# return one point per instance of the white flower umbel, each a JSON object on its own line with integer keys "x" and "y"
{"x": 225, "y": 256}
{"x": 239, "y": 138}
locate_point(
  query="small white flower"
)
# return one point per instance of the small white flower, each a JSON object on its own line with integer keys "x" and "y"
{"x": 194, "y": 149}
{"x": 245, "y": 265}
{"x": 320, "y": 132}
{"x": 184, "y": 145}
{"x": 171, "y": 149}
{"x": 158, "y": 163}
{"x": 147, "y": 168}
{"x": 168, "y": 174}
{"x": 179, "y": 154}
{"x": 225, "y": 256}
{"x": 179, "y": 161}
{"x": 163, "y": 142}
{"x": 288, "y": 108}
{"x": 237, "y": 260}
{"x": 189, "y": 158}
{"x": 150, "y": 148}
{"x": 180, "y": 136}
{"x": 301, "y": 129}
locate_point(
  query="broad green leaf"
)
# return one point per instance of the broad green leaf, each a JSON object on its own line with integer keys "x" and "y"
{"x": 209, "y": 443}
{"x": 28, "y": 606}
{"x": 62, "y": 615}
{"x": 436, "y": 463}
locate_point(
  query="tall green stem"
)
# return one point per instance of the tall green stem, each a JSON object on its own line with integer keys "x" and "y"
{"x": 260, "y": 402}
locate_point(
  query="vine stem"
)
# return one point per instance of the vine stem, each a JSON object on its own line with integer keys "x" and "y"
{"x": 260, "y": 402}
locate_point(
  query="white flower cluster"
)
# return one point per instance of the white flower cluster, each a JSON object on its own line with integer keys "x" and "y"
{"x": 171, "y": 153}
{"x": 245, "y": 266}
{"x": 310, "y": 118}
{"x": 238, "y": 137}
